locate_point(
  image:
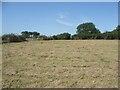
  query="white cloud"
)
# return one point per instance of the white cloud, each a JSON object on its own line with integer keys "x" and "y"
{"x": 61, "y": 16}
{"x": 64, "y": 22}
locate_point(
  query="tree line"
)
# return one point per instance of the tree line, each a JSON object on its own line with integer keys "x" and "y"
{"x": 84, "y": 31}
{"x": 89, "y": 31}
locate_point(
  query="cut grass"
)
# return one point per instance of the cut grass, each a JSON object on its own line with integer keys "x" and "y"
{"x": 72, "y": 63}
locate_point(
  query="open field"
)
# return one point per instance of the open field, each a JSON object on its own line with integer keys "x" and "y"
{"x": 77, "y": 63}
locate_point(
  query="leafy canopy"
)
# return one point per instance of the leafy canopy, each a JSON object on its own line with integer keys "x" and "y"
{"x": 88, "y": 28}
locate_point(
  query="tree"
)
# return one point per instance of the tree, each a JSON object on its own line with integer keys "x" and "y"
{"x": 75, "y": 37}
{"x": 54, "y": 37}
{"x": 66, "y": 36}
{"x": 43, "y": 37}
{"x": 35, "y": 34}
{"x": 25, "y": 34}
{"x": 87, "y": 31}
{"x": 30, "y": 34}
{"x": 87, "y": 28}
{"x": 116, "y": 32}
{"x": 63, "y": 36}
{"x": 12, "y": 38}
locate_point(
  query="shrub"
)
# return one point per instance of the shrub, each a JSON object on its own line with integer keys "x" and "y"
{"x": 12, "y": 38}
{"x": 43, "y": 37}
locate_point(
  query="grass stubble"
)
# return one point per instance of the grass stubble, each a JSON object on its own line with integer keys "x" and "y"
{"x": 60, "y": 64}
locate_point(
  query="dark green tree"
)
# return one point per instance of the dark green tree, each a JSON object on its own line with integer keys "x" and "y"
{"x": 31, "y": 34}
{"x": 87, "y": 28}
{"x": 54, "y": 37}
{"x": 63, "y": 36}
{"x": 35, "y": 34}
{"x": 25, "y": 34}
{"x": 12, "y": 38}
{"x": 87, "y": 31}
{"x": 116, "y": 32}
{"x": 75, "y": 37}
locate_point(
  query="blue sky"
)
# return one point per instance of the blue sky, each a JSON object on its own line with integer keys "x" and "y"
{"x": 51, "y": 18}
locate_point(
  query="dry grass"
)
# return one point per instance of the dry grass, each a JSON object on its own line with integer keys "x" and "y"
{"x": 78, "y": 63}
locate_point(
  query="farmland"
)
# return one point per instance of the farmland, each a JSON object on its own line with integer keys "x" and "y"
{"x": 60, "y": 64}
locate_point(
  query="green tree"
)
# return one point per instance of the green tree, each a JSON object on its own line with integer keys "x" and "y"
{"x": 35, "y": 34}
{"x": 31, "y": 34}
{"x": 55, "y": 37}
{"x": 116, "y": 32}
{"x": 87, "y": 31}
{"x": 87, "y": 28}
{"x": 25, "y": 34}
{"x": 75, "y": 37}
{"x": 12, "y": 38}
{"x": 63, "y": 36}
{"x": 43, "y": 37}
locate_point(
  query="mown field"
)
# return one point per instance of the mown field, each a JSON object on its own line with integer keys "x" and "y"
{"x": 60, "y": 64}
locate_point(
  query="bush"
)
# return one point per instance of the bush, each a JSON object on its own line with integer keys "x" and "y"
{"x": 43, "y": 37}
{"x": 12, "y": 38}
{"x": 62, "y": 36}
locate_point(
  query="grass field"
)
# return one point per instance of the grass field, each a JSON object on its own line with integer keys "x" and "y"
{"x": 77, "y": 63}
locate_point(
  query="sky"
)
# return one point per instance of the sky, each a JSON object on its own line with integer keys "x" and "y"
{"x": 60, "y": 0}
{"x": 51, "y": 18}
